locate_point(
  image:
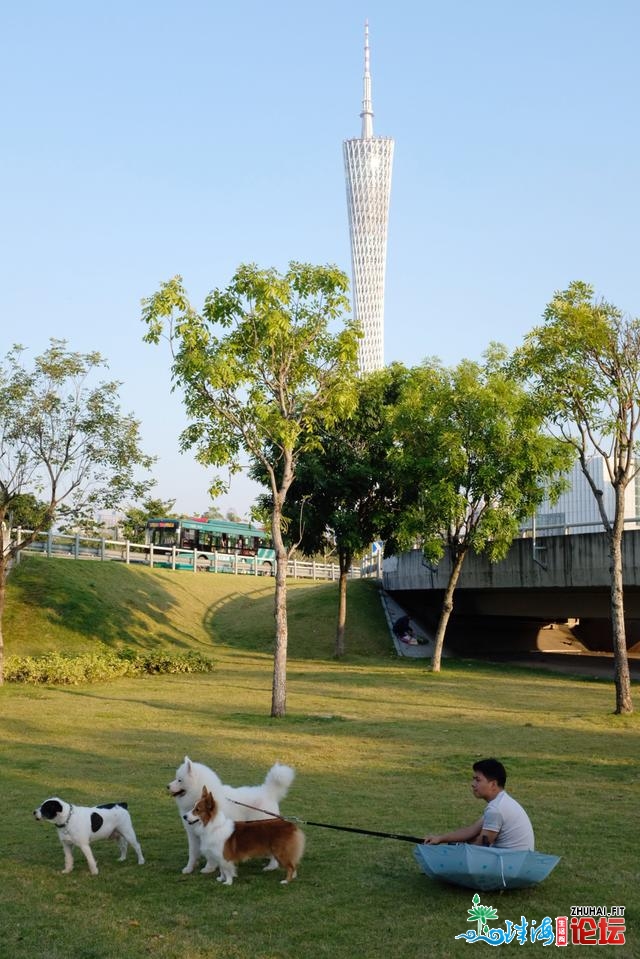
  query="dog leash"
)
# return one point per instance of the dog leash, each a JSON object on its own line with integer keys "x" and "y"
{"x": 326, "y": 825}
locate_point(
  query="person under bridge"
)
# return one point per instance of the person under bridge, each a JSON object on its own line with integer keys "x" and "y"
{"x": 403, "y": 629}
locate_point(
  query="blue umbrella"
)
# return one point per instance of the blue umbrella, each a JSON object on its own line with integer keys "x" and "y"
{"x": 484, "y": 867}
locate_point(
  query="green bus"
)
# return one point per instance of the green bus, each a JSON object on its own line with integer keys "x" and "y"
{"x": 244, "y": 541}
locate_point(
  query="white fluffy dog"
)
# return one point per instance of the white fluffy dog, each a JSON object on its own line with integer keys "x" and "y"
{"x": 187, "y": 787}
{"x": 81, "y": 825}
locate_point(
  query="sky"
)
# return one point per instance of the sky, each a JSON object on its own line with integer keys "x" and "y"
{"x": 140, "y": 139}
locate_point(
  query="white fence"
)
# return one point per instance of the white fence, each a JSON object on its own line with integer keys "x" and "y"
{"x": 84, "y": 547}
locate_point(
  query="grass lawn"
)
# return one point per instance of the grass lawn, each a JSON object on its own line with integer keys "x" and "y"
{"x": 377, "y": 742}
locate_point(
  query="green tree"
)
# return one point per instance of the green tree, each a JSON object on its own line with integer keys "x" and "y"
{"x": 27, "y": 512}
{"x": 583, "y": 366}
{"x": 345, "y": 493}
{"x": 262, "y": 374}
{"x": 62, "y": 441}
{"x": 136, "y": 517}
{"x": 475, "y": 463}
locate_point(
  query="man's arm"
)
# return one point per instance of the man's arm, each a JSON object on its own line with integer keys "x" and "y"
{"x": 465, "y": 834}
{"x": 486, "y": 837}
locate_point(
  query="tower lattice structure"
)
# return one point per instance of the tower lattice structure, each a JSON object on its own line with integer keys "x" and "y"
{"x": 368, "y": 163}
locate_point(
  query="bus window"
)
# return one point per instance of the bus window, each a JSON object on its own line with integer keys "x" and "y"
{"x": 163, "y": 537}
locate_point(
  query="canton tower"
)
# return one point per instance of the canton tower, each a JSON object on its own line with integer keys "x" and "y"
{"x": 367, "y": 164}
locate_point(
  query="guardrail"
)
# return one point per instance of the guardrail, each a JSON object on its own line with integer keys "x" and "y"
{"x": 84, "y": 547}
{"x": 571, "y": 529}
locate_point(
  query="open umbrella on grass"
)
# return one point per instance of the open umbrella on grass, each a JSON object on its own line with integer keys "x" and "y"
{"x": 484, "y": 867}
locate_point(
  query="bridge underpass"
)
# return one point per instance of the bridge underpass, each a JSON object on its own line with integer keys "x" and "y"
{"x": 549, "y": 594}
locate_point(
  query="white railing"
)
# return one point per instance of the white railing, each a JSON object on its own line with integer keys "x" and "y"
{"x": 572, "y": 529}
{"x": 85, "y": 547}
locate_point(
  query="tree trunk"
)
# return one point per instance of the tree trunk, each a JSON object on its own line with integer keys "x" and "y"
{"x": 447, "y": 607}
{"x": 622, "y": 677}
{"x": 279, "y": 685}
{"x": 3, "y": 577}
{"x": 345, "y": 563}
{"x": 4, "y": 567}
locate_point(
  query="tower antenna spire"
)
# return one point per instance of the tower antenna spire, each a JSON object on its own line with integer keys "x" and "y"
{"x": 367, "y": 108}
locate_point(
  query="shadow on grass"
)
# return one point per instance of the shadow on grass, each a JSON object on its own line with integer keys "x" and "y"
{"x": 246, "y": 621}
{"x": 68, "y": 605}
{"x": 107, "y": 602}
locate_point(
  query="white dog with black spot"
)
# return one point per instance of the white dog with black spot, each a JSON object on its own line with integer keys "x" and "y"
{"x": 82, "y": 825}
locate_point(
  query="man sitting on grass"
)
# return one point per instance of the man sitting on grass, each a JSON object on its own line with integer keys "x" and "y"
{"x": 504, "y": 824}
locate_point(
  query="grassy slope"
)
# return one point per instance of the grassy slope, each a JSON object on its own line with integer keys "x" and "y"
{"x": 376, "y": 742}
{"x": 69, "y": 606}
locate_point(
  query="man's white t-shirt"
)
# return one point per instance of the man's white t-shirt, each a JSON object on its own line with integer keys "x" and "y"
{"x": 507, "y": 817}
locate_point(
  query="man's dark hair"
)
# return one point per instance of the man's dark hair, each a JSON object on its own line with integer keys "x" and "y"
{"x": 491, "y": 769}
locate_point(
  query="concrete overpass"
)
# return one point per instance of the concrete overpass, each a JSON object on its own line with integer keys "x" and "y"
{"x": 551, "y": 581}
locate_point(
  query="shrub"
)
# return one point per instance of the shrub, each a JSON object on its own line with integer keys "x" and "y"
{"x": 59, "y": 669}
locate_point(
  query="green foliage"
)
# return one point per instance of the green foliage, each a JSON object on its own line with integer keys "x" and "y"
{"x": 263, "y": 372}
{"x": 27, "y": 512}
{"x": 474, "y": 462}
{"x": 59, "y": 669}
{"x": 277, "y": 372}
{"x": 347, "y": 487}
{"x": 583, "y": 368}
{"x": 344, "y": 492}
{"x": 62, "y": 439}
{"x": 474, "y": 457}
{"x": 135, "y": 517}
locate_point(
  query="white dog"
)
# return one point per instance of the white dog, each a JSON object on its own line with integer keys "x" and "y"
{"x": 187, "y": 787}
{"x": 82, "y": 825}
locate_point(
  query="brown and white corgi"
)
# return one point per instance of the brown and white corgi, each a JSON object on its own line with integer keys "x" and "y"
{"x": 226, "y": 842}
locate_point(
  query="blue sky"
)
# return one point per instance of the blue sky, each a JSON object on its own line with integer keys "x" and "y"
{"x": 143, "y": 139}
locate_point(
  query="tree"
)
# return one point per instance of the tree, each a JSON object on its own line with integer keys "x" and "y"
{"x": 262, "y": 373}
{"x": 136, "y": 517}
{"x": 27, "y": 512}
{"x": 63, "y": 442}
{"x": 475, "y": 463}
{"x": 345, "y": 493}
{"x": 583, "y": 366}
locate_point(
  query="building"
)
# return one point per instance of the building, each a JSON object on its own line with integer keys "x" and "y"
{"x": 367, "y": 163}
{"x": 577, "y": 508}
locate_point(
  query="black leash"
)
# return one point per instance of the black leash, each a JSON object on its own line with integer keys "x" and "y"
{"x": 326, "y": 825}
